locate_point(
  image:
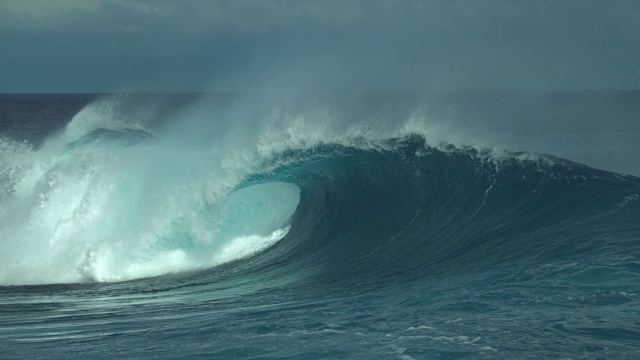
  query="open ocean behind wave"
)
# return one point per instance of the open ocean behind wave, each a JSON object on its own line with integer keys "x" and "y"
{"x": 182, "y": 227}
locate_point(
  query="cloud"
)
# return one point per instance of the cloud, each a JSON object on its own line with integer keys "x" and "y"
{"x": 202, "y": 16}
{"x": 43, "y": 15}
{"x": 393, "y": 44}
{"x": 183, "y": 16}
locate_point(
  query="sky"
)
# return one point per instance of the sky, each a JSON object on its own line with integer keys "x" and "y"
{"x": 351, "y": 45}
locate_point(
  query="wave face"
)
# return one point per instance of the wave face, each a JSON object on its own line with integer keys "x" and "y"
{"x": 348, "y": 246}
{"x": 422, "y": 211}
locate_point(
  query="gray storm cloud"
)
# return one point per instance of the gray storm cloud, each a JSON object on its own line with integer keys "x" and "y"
{"x": 180, "y": 16}
{"x": 108, "y": 45}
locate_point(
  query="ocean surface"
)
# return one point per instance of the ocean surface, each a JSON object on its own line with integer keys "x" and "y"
{"x": 456, "y": 226}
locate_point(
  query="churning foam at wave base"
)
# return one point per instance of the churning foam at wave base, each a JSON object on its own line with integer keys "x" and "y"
{"x": 106, "y": 268}
{"x": 250, "y": 220}
{"x": 108, "y": 207}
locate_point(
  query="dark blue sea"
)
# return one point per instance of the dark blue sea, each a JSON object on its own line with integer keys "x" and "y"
{"x": 283, "y": 226}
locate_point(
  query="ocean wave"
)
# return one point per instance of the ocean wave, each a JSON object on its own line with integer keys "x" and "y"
{"x": 120, "y": 204}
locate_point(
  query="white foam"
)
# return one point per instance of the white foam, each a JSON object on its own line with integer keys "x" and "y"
{"x": 109, "y": 211}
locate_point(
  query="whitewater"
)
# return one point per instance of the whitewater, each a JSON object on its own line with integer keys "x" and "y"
{"x": 255, "y": 226}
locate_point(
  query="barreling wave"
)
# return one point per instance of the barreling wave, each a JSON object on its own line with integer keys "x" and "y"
{"x": 113, "y": 203}
{"x": 419, "y": 211}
